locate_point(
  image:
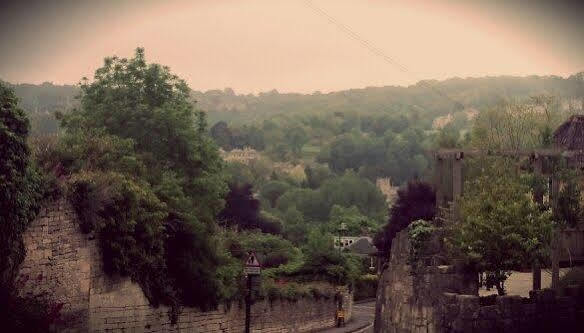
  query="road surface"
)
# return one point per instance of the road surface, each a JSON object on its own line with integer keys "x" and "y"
{"x": 362, "y": 321}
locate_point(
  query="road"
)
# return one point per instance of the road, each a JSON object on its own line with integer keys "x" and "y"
{"x": 362, "y": 321}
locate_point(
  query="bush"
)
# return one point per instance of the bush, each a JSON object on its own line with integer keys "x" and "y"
{"x": 324, "y": 262}
{"x": 293, "y": 291}
{"x": 419, "y": 233}
{"x": 273, "y": 250}
{"x": 365, "y": 287}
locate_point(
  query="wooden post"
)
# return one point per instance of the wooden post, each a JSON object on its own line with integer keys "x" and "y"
{"x": 456, "y": 185}
{"x": 555, "y": 188}
{"x": 438, "y": 177}
{"x": 457, "y": 176}
{"x": 538, "y": 197}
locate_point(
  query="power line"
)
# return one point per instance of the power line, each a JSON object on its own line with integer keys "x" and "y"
{"x": 375, "y": 50}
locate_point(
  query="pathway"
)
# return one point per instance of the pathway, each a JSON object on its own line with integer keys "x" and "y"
{"x": 362, "y": 321}
{"x": 520, "y": 283}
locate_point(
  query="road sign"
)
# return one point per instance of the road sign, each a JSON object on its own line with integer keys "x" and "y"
{"x": 251, "y": 270}
{"x": 252, "y": 265}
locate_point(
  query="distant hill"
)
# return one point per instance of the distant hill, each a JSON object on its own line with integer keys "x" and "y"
{"x": 430, "y": 99}
{"x": 41, "y": 101}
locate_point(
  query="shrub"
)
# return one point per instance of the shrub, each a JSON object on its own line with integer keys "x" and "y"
{"x": 365, "y": 287}
{"x": 414, "y": 202}
{"x": 419, "y": 233}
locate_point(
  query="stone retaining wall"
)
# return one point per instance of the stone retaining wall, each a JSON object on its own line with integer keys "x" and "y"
{"x": 406, "y": 301}
{"x": 126, "y": 309}
{"x": 441, "y": 298}
{"x": 57, "y": 265}
{"x": 543, "y": 311}
{"x": 63, "y": 265}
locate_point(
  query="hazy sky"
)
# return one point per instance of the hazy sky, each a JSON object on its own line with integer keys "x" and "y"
{"x": 259, "y": 45}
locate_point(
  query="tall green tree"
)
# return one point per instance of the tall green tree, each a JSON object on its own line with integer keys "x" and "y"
{"x": 273, "y": 190}
{"x": 221, "y": 133}
{"x": 21, "y": 192}
{"x": 296, "y": 138}
{"x": 500, "y": 228}
{"x": 163, "y": 175}
{"x": 20, "y": 185}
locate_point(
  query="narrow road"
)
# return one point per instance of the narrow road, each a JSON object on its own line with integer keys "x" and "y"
{"x": 362, "y": 321}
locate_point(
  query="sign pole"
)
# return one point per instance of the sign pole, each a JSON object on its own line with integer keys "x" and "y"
{"x": 252, "y": 267}
{"x": 248, "y": 304}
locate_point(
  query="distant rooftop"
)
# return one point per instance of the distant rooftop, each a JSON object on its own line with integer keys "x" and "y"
{"x": 363, "y": 247}
{"x": 570, "y": 135}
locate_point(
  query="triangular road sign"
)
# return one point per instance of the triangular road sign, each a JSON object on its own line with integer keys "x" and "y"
{"x": 252, "y": 260}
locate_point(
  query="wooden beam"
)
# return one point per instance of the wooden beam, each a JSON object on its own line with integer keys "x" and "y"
{"x": 452, "y": 153}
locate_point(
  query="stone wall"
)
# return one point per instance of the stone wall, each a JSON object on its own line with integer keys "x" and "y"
{"x": 63, "y": 266}
{"x": 543, "y": 311}
{"x": 424, "y": 296}
{"x": 126, "y": 309}
{"x": 57, "y": 265}
{"x": 406, "y": 301}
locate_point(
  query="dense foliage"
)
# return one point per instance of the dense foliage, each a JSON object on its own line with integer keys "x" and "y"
{"x": 242, "y": 211}
{"x": 20, "y": 185}
{"x": 148, "y": 181}
{"x": 377, "y": 131}
{"x": 569, "y": 210}
{"x": 346, "y": 191}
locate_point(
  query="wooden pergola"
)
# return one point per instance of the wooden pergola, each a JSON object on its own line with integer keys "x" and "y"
{"x": 568, "y": 146}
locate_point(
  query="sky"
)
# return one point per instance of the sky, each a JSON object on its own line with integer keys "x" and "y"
{"x": 293, "y": 45}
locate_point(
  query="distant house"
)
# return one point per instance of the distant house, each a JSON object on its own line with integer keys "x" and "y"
{"x": 360, "y": 245}
{"x": 440, "y": 122}
{"x": 244, "y": 156}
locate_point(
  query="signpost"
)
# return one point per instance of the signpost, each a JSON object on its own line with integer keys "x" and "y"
{"x": 252, "y": 268}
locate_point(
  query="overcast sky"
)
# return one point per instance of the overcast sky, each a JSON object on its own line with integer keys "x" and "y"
{"x": 292, "y": 45}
